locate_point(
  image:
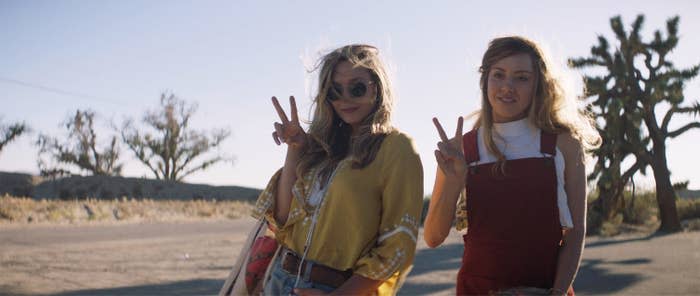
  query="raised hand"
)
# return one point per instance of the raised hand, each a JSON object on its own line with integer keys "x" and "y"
{"x": 289, "y": 131}
{"x": 450, "y": 156}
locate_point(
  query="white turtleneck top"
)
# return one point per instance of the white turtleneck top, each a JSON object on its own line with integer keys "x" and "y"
{"x": 521, "y": 139}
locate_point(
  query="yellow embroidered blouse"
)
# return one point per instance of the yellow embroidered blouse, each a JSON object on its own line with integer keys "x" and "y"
{"x": 369, "y": 217}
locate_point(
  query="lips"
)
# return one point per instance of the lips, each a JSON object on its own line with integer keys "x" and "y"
{"x": 507, "y": 99}
{"x": 349, "y": 110}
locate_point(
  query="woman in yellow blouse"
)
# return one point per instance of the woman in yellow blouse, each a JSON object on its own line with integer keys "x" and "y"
{"x": 347, "y": 202}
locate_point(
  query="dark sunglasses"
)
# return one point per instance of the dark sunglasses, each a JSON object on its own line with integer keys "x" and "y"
{"x": 355, "y": 90}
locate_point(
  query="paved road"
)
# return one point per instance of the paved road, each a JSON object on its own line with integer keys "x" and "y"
{"x": 192, "y": 258}
{"x": 62, "y": 234}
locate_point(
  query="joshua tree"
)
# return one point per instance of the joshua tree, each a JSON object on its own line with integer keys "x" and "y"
{"x": 170, "y": 151}
{"x": 10, "y": 132}
{"x": 638, "y": 79}
{"x": 78, "y": 150}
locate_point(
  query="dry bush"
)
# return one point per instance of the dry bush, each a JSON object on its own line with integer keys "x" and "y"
{"x": 28, "y": 210}
{"x": 611, "y": 228}
{"x": 642, "y": 209}
{"x": 688, "y": 208}
{"x": 642, "y": 214}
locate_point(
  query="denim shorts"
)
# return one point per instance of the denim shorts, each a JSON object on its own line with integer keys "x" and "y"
{"x": 282, "y": 282}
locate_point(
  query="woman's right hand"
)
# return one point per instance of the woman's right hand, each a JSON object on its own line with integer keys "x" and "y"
{"x": 288, "y": 131}
{"x": 450, "y": 156}
{"x": 450, "y": 180}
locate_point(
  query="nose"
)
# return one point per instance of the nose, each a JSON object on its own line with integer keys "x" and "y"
{"x": 507, "y": 85}
{"x": 510, "y": 82}
{"x": 345, "y": 97}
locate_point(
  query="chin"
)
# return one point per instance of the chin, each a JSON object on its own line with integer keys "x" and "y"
{"x": 350, "y": 122}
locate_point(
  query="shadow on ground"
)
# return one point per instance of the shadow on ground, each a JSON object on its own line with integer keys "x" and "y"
{"x": 603, "y": 243}
{"x": 446, "y": 257}
{"x": 595, "y": 276}
{"x": 189, "y": 287}
{"x": 595, "y": 279}
{"x": 615, "y": 241}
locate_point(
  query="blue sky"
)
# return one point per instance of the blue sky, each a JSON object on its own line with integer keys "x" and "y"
{"x": 230, "y": 57}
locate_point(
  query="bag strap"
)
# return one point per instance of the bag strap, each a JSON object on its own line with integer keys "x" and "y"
{"x": 242, "y": 260}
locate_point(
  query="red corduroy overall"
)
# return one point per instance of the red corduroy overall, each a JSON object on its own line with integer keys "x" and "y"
{"x": 514, "y": 230}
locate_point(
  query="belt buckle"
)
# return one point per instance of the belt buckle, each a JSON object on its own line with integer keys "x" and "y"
{"x": 307, "y": 267}
{"x": 285, "y": 256}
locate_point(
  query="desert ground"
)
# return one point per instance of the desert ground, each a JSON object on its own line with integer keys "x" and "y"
{"x": 193, "y": 258}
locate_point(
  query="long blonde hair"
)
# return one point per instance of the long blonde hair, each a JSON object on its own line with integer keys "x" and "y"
{"x": 329, "y": 138}
{"x": 551, "y": 109}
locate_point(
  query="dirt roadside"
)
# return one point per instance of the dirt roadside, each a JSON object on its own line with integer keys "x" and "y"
{"x": 192, "y": 258}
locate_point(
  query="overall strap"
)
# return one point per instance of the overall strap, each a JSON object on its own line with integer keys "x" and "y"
{"x": 548, "y": 143}
{"x": 470, "y": 146}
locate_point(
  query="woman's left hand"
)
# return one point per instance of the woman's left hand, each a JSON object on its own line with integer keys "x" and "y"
{"x": 308, "y": 292}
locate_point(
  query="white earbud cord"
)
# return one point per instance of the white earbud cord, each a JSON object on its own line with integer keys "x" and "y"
{"x": 312, "y": 227}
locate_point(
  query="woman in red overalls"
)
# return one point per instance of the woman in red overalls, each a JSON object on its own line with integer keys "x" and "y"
{"x": 523, "y": 169}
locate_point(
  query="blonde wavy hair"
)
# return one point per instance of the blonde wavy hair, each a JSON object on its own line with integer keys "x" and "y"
{"x": 329, "y": 138}
{"x": 551, "y": 109}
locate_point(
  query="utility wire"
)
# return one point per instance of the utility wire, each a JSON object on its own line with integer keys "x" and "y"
{"x": 58, "y": 91}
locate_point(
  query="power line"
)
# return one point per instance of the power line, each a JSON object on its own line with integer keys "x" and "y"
{"x": 57, "y": 91}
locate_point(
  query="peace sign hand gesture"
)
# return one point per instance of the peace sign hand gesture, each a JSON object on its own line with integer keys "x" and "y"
{"x": 450, "y": 156}
{"x": 289, "y": 132}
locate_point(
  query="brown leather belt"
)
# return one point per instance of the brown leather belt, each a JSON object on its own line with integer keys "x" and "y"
{"x": 320, "y": 274}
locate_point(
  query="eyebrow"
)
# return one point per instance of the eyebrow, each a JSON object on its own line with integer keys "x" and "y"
{"x": 516, "y": 72}
{"x": 354, "y": 80}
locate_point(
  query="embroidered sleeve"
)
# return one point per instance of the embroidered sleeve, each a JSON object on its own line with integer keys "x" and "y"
{"x": 402, "y": 199}
{"x": 265, "y": 205}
